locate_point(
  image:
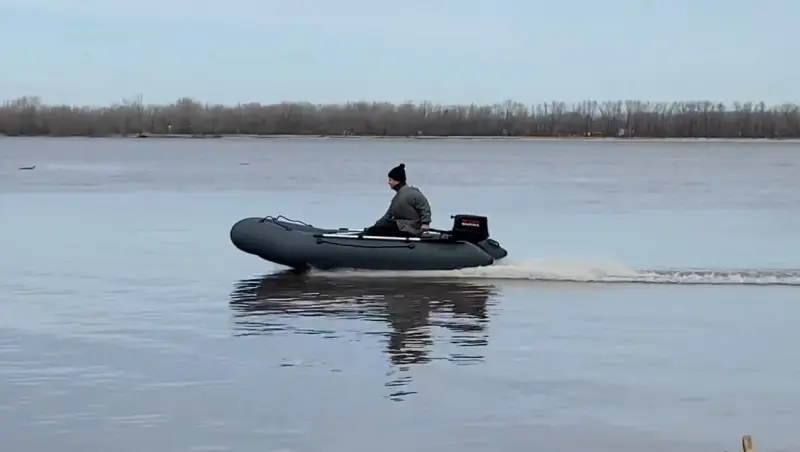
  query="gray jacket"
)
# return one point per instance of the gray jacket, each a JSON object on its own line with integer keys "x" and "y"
{"x": 409, "y": 209}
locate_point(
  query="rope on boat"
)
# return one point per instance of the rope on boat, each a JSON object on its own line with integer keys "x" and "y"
{"x": 277, "y": 219}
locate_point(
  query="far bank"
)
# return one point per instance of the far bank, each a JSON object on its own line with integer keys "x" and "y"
{"x": 591, "y": 139}
{"x": 555, "y": 120}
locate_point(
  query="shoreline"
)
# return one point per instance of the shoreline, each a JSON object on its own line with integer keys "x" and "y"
{"x": 508, "y": 120}
{"x": 165, "y": 136}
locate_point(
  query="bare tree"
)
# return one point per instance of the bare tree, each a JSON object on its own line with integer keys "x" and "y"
{"x": 28, "y": 116}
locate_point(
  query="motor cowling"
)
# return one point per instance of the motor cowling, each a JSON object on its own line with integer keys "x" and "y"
{"x": 470, "y": 228}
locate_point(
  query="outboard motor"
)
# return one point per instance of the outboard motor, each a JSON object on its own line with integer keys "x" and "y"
{"x": 470, "y": 228}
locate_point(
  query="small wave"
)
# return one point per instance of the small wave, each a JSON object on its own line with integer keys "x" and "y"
{"x": 597, "y": 272}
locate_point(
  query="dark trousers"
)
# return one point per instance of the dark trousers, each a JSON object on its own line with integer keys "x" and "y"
{"x": 386, "y": 230}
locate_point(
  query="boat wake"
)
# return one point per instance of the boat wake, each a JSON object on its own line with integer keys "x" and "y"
{"x": 598, "y": 272}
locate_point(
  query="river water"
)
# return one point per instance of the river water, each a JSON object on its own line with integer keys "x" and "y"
{"x": 648, "y": 302}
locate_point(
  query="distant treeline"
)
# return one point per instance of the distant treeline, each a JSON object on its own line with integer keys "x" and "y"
{"x": 29, "y": 117}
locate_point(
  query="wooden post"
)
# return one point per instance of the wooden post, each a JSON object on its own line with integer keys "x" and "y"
{"x": 747, "y": 444}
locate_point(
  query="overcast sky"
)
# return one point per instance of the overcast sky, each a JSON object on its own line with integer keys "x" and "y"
{"x": 446, "y": 51}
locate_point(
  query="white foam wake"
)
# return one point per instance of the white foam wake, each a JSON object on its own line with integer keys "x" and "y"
{"x": 597, "y": 272}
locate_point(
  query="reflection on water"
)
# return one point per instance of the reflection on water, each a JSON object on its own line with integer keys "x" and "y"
{"x": 418, "y": 313}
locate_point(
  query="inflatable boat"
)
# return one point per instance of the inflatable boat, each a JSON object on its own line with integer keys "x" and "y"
{"x": 301, "y": 246}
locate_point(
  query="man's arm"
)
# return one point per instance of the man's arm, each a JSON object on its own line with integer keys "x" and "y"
{"x": 423, "y": 208}
{"x": 385, "y": 219}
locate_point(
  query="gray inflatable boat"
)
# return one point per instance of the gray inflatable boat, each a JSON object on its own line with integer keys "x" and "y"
{"x": 302, "y": 246}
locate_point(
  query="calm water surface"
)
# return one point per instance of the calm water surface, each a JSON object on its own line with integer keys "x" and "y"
{"x": 129, "y": 322}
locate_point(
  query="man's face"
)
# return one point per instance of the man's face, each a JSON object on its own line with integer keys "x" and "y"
{"x": 392, "y": 183}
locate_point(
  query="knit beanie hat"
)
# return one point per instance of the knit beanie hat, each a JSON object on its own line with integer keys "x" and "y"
{"x": 398, "y": 173}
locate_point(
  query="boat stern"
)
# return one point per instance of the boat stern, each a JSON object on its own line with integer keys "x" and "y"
{"x": 492, "y": 248}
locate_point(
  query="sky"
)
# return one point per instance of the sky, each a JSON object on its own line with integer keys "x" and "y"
{"x": 97, "y": 52}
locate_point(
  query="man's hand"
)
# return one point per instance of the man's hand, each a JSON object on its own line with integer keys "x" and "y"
{"x": 425, "y": 227}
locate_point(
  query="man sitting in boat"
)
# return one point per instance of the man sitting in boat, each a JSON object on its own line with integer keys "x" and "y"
{"x": 409, "y": 213}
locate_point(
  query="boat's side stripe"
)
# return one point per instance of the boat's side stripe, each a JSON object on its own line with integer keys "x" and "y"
{"x": 369, "y": 237}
